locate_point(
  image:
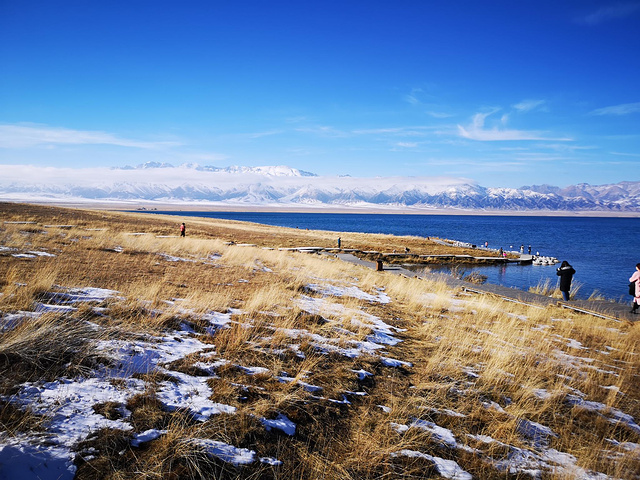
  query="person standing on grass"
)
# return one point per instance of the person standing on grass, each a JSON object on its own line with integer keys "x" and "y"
{"x": 636, "y": 299}
{"x": 183, "y": 229}
{"x": 565, "y": 272}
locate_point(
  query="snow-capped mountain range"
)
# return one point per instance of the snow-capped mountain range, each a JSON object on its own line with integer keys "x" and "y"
{"x": 164, "y": 183}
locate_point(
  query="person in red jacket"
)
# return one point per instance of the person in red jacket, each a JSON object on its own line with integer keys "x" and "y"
{"x": 182, "y": 229}
{"x": 636, "y": 299}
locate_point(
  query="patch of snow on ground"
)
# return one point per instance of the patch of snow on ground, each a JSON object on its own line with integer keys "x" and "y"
{"x": 192, "y": 393}
{"x": 20, "y": 459}
{"x": 537, "y": 433}
{"x": 446, "y": 468}
{"x": 281, "y": 423}
{"x": 576, "y": 344}
{"x": 391, "y": 362}
{"x": 79, "y": 295}
{"x": 9, "y": 321}
{"x": 69, "y": 406}
{"x": 352, "y": 291}
{"x": 613, "y": 415}
{"x": 382, "y": 331}
{"x": 362, "y": 374}
{"x": 218, "y": 320}
{"x": 254, "y": 370}
{"x": 69, "y": 403}
{"x": 439, "y": 433}
{"x": 146, "y": 436}
{"x": 171, "y": 258}
{"x": 41, "y": 254}
{"x": 541, "y": 394}
{"x": 47, "y": 308}
{"x": 224, "y": 451}
{"x": 535, "y": 464}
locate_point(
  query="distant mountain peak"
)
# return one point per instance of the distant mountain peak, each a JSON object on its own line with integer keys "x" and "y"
{"x": 154, "y": 165}
{"x": 286, "y": 186}
{"x": 269, "y": 170}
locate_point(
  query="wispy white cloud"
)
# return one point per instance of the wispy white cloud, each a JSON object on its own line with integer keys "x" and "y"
{"x": 477, "y": 131}
{"x": 407, "y": 144}
{"x": 25, "y": 136}
{"x": 528, "y": 105}
{"x": 535, "y": 157}
{"x": 410, "y": 131}
{"x": 412, "y": 99}
{"x": 266, "y": 133}
{"x": 200, "y": 157}
{"x": 406, "y": 131}
{"x": 622, "y": 109}
{"x": 610, "y": 12}
{"x": 324, "y": 131}
{"x": 439, "y": 114}
{"x": 467, "y": 165}
{"x": 250, "y": 135}
{"x": 623, "y": 154}
{"x": 298, "y": 119}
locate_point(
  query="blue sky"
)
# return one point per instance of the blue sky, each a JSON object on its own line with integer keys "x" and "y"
{"x": 504, "y": 93}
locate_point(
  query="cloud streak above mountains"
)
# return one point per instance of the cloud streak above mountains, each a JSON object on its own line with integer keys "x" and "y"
{"x": 477, "y": 130}
{"x": 30, "y": 135}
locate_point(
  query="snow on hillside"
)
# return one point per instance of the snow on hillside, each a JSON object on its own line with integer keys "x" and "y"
{"x": 283, "y": 185}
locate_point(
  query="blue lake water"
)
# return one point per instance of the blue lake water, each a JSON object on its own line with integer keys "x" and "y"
{"x": 602, "y": 250}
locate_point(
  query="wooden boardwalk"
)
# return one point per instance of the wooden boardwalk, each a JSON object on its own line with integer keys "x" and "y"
{"x": 608, "y": 310}
{"x": 522, "y": 259}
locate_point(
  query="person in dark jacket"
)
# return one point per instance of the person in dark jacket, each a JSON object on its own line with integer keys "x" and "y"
{"x": 565, "y": 272}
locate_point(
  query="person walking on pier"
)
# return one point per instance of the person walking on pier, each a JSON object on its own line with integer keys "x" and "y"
{"x": 636, "y": 298}
{"x": 565, "y": 272}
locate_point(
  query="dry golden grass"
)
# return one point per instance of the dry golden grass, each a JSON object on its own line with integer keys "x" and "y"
{"x": 548, "y": 290}
{"x": 494, "y": 364}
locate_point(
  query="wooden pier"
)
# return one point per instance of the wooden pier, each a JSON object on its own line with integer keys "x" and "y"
{"x": 414, "y": 258}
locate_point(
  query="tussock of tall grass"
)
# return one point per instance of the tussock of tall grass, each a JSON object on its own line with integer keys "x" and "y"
{"x": 548, "y": 290}
{"x": 47, "y": 347}
{"x": 22, "y": 288}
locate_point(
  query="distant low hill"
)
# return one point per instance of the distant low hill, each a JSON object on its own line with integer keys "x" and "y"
{"x": 286, "y": 186}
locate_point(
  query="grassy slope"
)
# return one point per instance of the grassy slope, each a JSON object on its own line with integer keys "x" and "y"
{"x": 477, "y": 357}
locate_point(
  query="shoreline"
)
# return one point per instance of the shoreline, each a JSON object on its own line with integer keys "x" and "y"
{"x": 143, "y": 207}
{"x": 462, "y": 256}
